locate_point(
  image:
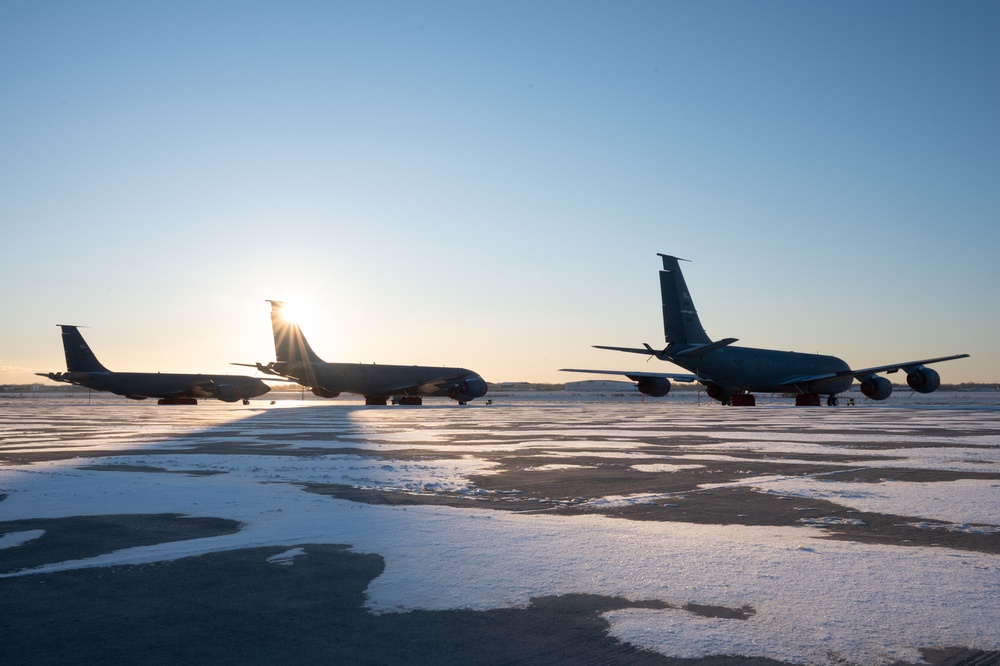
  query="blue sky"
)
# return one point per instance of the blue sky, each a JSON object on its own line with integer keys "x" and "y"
{"x": 487, "y": 184}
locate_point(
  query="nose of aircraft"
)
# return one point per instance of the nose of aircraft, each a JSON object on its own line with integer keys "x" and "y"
{"x": 469, "y": 388}
{"x": 258, "y": 388}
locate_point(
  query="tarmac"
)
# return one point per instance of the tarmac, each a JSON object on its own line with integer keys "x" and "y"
{"x": 103, "y": 559}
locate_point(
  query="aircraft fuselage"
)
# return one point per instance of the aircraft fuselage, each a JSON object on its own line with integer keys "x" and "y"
{"x": 141, "y": 385}
{"x": 766, "y": 370}
{"x": 384, "y": 380}
{"x": 295, "y": 359}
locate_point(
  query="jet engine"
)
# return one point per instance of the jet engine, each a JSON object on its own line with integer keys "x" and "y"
{"x": 877, "y": 388}
{"x": 324, "y": 393}
{"x": 228, "y": 393}
{"x": 923, "y": 380}
{"x": 467, "y": 390}
{"x": 654, "y": 386}
{"x": 716, "y": 392}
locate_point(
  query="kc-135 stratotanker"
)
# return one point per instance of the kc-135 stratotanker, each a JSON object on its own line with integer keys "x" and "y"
{"x": 83, "y": 369}
{"x": 732, "y": 374}
{"x": 407, "y": 384}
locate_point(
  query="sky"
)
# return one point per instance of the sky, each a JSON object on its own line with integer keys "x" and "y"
{"x": 487, "y": 184}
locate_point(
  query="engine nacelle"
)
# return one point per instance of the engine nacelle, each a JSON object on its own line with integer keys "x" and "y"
{"x": 656, "y": 387}
{"x": 228, "y": 393}
{"x": 468, "y": 390}
{"x": 923, "y": 380}
{"x": 876, "y": 388}
{"x": 716, "y": 392}
{"x": 321, "y": 392}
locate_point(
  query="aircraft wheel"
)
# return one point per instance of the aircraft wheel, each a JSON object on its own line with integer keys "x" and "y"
{"x": 832, "y": 401}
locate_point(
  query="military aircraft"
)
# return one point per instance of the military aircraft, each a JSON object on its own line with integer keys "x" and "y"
{"x": 296, "y": 360}
{"x": 83, "y": 369}
{"x": 731, "y": 374}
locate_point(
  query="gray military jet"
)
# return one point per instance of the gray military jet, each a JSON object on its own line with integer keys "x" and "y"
{"x": 83, "y": 369}
{"x": 731, "y": 374}
{"x": 407, "y": 384}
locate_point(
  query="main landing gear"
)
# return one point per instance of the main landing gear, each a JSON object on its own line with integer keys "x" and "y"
{"x": 396, "y": 400}
{"x": 801, "y": 400}
{"x": 177, "y": 401}
{"x": 813, "y": 400}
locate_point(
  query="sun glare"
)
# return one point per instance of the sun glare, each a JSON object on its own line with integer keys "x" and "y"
{"x": 291, "y": 313}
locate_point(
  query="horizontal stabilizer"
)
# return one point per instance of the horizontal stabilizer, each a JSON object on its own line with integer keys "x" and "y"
{"x": 701, "y": 350}
{"x": 646, "y": 351}
{"x": 268, "y": 369}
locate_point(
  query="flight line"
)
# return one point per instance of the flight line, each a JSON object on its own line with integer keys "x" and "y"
{"x": 730, "y": 374}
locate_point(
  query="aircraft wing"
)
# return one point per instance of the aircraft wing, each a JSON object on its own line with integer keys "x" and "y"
{"x": 908, "y": 366}
{"x": 864, "y": 373}
{"x": 815, "y": 379}
{"x": 636, "y": 376}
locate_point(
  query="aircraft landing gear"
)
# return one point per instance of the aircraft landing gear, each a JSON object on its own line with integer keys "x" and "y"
{"x": 743, "y": 400}
{"x": 832, "y": 400}
{"x": 177, "y": 401}
{"x": 376, "y": 400}
{"x": 246, "y": 401}
{"x": 408, "y": 400}
{"x": 807, "y": 400}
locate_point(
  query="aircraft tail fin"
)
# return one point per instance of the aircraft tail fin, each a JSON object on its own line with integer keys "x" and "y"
{"x": 680, "y": 319}
{"x": 290, "y": 344}
{"x": 79, "y": 356}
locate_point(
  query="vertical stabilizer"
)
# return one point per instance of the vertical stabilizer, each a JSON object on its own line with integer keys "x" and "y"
{"x": 79, "y": 357}
{"x": 680, "y": 320}
{"x": 289, "y": 343}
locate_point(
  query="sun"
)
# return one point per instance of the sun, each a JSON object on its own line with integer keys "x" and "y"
{"x": 291, "y": 313}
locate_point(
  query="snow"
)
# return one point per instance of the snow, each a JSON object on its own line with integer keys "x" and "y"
{"x": 17, "y": 538}
{"x": 663, "y": 467}
{"x": 287, "y": 558}
{"x": 815, "y": 601}
{"x": 965, "y": 500}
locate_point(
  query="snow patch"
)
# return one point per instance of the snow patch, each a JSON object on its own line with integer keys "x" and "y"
{"x": 12, "y": 539}
{"x": 286, "y": 558}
